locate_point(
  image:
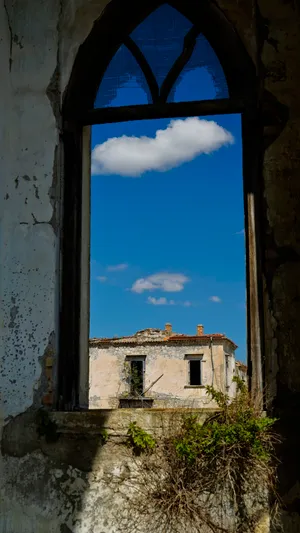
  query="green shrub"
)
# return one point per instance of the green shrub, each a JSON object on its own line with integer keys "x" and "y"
{"x": 238, "y": 429}
{"x": 103, "y": 436}
{"x": 139, "y": 440}
{"x": 219, "y": 476}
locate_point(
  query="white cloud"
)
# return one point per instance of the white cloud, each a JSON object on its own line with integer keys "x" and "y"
{"x": 103, "y": 279}
{"x": 163, "y": 282}
{"x": 117, "y": 268}
{"x": 157, "y": 301}
{"x": 215, "y": 299}
{"x": 164, "y": 301}
{"x": 181, "y": 141}
{"x": 242, "y": 232}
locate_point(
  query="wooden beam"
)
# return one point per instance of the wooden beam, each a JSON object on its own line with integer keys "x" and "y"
{"x": 160, "y": 110}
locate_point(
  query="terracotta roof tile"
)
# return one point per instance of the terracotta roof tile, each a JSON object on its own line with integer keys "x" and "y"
{"x": 177, "y": 337}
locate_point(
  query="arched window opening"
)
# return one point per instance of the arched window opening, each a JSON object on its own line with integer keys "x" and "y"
{"x": 174, "y": 61}
{"x": 153, "y": 60}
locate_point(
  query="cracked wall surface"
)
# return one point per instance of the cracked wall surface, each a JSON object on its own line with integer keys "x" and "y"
{"x": 36, "y": 61}
{"x": 71, "y": 491}
{"x": 29, "y": 246}
{"x": 39, "y": 40}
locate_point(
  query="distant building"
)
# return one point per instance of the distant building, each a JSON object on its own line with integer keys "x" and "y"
{"x": 161, "y": 368}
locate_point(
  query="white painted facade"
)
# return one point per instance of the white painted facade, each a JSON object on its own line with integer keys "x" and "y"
{"x": 166, "y": 368}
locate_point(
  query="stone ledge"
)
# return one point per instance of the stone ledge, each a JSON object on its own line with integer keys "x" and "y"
{"x": 76, "y": 438}
{"x": 116, "y": 421}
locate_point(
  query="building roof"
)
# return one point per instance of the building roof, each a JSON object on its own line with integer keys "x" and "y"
{"x": 152, "y": 335}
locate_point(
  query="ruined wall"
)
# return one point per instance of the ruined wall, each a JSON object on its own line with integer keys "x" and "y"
{"x": 280, "y": 56}
{"x": 38, "y": 43}
{"x": 36, "y": 61}
{"x": 73, "y": 491}
{"x": 56, "y": 487}
{"x": 108, "y": 383}
{"x": 29, "y": 202}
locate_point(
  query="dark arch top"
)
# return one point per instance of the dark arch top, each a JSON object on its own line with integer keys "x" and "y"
{"x": 120, "y": 18}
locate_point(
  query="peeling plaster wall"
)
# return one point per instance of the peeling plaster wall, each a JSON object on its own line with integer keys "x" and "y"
{"x": 4, "y": 162}
{"x": 39, "y": 40}
{"x": 68, "y": 491}
{"x": 29, "y": 245}
{"x": 36, "y": 61}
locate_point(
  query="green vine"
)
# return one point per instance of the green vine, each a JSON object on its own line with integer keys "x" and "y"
{"x": 133, "y": 380}
{"x": 103, "y": 436}
{"x": 139, "y": 440}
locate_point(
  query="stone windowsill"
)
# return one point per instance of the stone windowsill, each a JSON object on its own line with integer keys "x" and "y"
{"x": 194, "y": 386}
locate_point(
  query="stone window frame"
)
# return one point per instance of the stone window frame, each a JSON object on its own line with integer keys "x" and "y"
{"x": 142, "y": 358}
{"x": 227, "y": 356}
{"x": 194, "y": 357}
{"x": 262, "y": 121}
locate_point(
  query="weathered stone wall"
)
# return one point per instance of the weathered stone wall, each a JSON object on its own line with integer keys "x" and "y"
{"x": 108, "y": 383}
{"x": 60, "y": 477}
{"x": 38, "y": 43}
{"x": 281, "y": 244}
{"x": 29, "y": 202}
{"x": 67, "y": 478}
{"x": 36, "y": 61}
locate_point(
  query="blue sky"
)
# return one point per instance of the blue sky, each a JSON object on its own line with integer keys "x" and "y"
{"x": 167, "y": 245}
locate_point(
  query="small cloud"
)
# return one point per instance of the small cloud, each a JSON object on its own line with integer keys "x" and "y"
{"x": 103, "y": 279}
{"x": 181, "y": 141}
{"x": 164, "y": 301}
{"x": 163, "y": 282}
{"x": 242, "y": 232}
{"x": 215, "y": 299}
{"x": 117, "y": 268}
{"x": 157, "y": 301}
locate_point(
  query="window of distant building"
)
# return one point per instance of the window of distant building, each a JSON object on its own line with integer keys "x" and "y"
{"x": 227, "y": 370}
{"x": 136, "y": 375}
{"x": 194, "y": 370}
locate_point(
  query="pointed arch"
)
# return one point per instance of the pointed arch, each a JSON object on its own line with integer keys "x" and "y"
{"x": 120, "y": 18}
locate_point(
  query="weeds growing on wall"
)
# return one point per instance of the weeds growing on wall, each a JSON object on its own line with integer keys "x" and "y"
{"x": 212, "y": 477}
{"x": 139, "y": 440}
{"x": 133, "y": 380}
